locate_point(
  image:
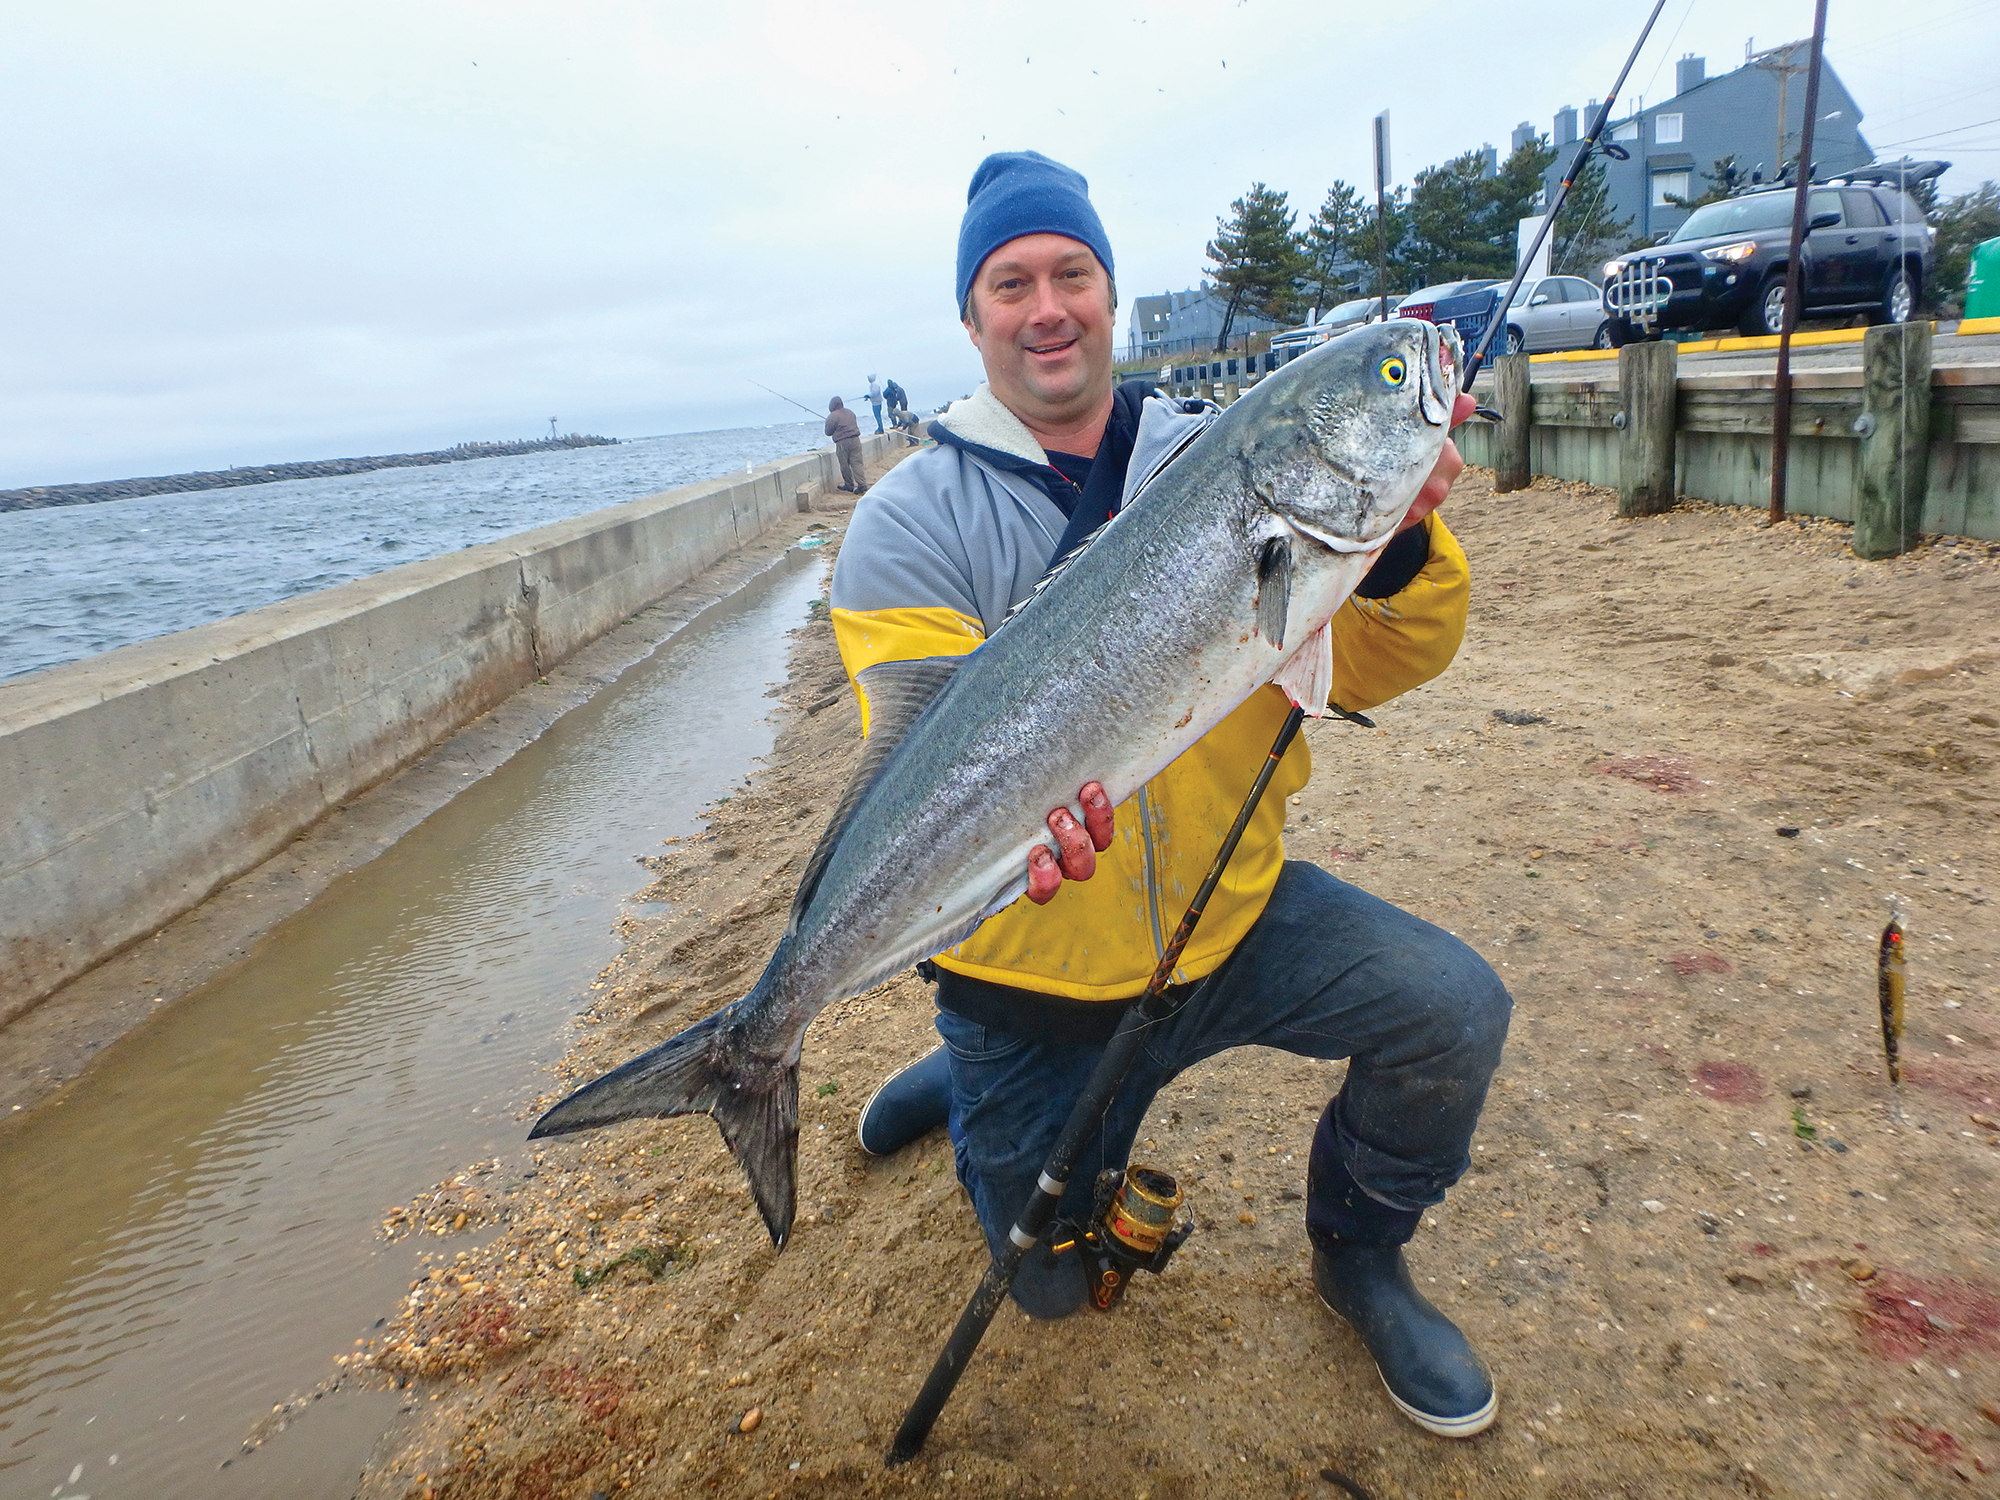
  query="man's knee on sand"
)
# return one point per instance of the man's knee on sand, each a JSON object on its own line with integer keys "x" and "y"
{"x": 1447, "y": 1001}
{"x": 1465, "y": 1008}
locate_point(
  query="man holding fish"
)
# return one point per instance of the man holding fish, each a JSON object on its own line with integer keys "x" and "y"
{"x": 1281, "y": 552}
{"x": 1287, "y": 956}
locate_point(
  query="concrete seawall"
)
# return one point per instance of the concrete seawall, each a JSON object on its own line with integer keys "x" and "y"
{"x": 139, "y": 781}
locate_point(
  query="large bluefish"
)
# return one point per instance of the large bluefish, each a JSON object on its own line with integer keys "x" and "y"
{"x": 1220, "y": 576}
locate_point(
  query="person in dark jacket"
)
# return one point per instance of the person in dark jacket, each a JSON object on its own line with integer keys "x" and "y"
{"x": 846, "y": 434}
{"x": 896, "y": 397}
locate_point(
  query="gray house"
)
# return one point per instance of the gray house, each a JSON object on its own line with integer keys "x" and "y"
{"x": 1754, "y": 113}
{"x": 1175, "y": 322}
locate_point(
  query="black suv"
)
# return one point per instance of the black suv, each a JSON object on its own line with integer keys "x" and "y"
{"x": 1867, "y": 250}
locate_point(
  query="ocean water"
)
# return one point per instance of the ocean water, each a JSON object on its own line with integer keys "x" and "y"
{"x": 79, "y": 579}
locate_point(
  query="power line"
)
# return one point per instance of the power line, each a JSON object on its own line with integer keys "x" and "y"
{"x": 1935, "y": 134}
{"x": 1947, "y": 101}
{"x": 1667, "y": 51}
{"x": 1865, "y": 39}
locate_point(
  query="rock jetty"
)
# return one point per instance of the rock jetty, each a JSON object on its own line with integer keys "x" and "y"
{"x": 173, "y": 484}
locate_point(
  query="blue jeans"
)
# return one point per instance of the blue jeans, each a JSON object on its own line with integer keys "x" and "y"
{"x": 878, "y": 414}
{"x": 1327, "y": 971}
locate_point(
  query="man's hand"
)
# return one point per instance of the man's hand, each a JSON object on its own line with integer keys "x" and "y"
{"x": 1079, "y": 845}
{"x": 1431, "y": 496}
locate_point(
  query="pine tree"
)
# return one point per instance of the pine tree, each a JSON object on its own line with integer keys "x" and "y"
{"x": 1257, "y": 258}
{"x": 1585, "y": 233}
{"x": 1721, "y": 180}
{"x": 1339, "y": 235}
{"x": 1448, "y": 232}
{"x": 1465, "y": 223}
{"x": 1514, "y": 194}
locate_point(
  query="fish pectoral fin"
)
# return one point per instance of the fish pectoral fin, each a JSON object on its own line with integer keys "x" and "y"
{"x": 1274, "y": 588}
{"x": 1307, "y": 675}
{"x": 898, "y": 693}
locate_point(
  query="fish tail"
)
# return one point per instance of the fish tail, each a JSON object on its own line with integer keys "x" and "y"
{"x": 706, "y": 1070}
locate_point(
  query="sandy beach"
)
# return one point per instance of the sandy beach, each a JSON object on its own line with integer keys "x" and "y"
{"x": 1668, "y": 789}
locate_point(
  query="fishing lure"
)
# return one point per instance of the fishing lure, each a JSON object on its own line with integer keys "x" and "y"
{"x": 1889, "y": 986}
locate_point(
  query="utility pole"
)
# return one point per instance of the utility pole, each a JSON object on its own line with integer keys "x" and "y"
{"x": 1382, "y": 210}
{"x": 1781, "y": 394}
{"x": 1779, "y": 61}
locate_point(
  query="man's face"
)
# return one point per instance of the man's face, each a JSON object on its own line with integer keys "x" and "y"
{"x": 1042, "y": 322}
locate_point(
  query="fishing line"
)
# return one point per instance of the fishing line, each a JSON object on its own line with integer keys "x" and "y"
{"x": 783, "y": 397}
{"x": 1576, "y": 167}
{"x": 1668, "y": 50}
{"x": 1560, "y": 249}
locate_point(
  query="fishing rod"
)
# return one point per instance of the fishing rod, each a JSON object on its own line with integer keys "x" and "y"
{"x": 799, "y": 404}
{"x": 1085, "y": 1118}
{"x": 1613, "y": 150}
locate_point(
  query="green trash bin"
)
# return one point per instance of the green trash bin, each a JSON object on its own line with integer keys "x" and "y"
{"x": 1982, "y": 287}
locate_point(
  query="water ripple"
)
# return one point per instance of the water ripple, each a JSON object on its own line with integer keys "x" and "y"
{"x": 192, "y": 1235}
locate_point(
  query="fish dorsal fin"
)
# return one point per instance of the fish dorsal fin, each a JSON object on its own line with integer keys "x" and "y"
{"x": 898, "y": 693}
{"x": 1055, "y": 569}
{"x": 1307, "y": 675}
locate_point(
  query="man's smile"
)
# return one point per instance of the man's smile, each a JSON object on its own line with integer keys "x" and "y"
{"x": 1056, "y": 348}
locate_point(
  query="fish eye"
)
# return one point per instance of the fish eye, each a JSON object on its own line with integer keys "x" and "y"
{"x": 1394, "y": 370}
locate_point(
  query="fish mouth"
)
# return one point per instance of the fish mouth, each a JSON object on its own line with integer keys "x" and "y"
{"x": 1337, "y": 543}
{"x": 1437, "y": 389}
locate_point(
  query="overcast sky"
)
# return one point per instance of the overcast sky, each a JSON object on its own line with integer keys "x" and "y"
{"x": 244, "y": 232}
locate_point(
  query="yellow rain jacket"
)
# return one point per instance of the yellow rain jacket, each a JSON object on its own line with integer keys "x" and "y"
{"x": 940, "y": 550}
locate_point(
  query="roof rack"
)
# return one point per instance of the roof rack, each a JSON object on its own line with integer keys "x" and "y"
{"x": 1901, "y": 173}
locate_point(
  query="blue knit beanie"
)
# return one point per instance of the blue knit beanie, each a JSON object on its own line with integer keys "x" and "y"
{"x": 1022, "y": 192}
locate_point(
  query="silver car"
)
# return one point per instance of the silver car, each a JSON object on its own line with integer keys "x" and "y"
{"x": 1353, "y": 314}
{"x": 1556, "y": 312}
{"x": 1335, "y": 320}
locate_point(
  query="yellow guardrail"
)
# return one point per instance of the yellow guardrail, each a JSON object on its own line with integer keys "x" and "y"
{"x": 1765, "y": 341}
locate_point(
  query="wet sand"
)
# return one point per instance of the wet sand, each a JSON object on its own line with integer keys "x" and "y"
{"x": 1700, "y": 1249}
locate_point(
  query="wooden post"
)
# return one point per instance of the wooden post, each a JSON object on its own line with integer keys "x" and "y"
{"x": 1646, "y": 390}
{"x": 804, "y": 498}
{"x": 1229, "y": 393}
{"x": 1511, "y": 393}
{"x": 1895, "y": 429}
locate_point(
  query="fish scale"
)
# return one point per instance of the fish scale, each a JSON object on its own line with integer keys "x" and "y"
{"x": 1227, "y": 566}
